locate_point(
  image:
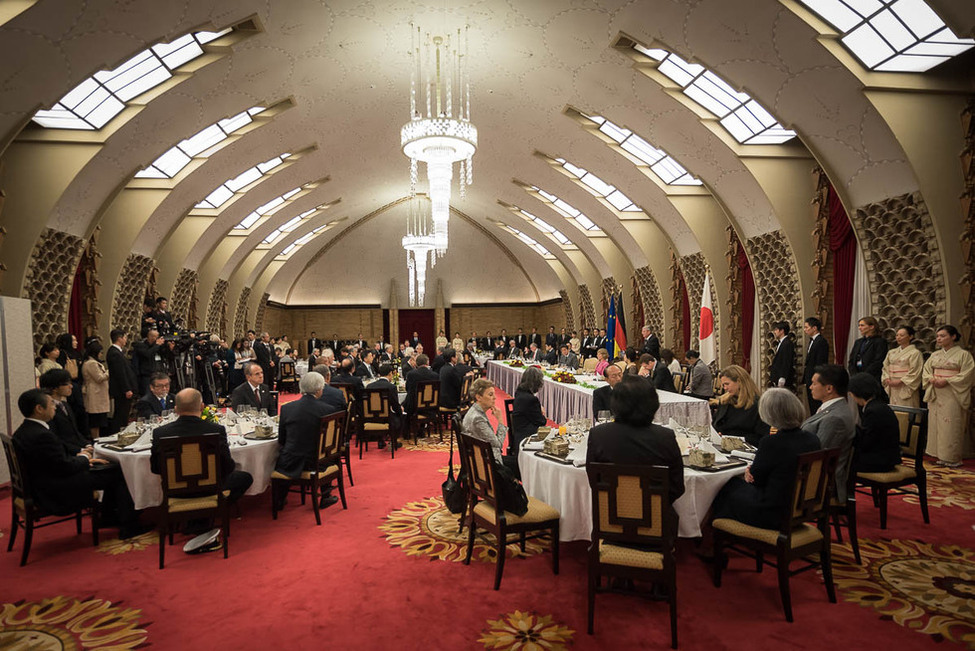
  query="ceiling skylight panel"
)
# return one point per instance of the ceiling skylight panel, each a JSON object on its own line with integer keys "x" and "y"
{"x": 292, "y": 223}
{"x": 585, "y": 222}
{"x": 529, "y": 241}
{"x": 546, "y": 227}
{"x": 643, "y": 150}
{"x": 567, "y": 208}
{"x": 616, "y": 133}
{"x": 597, "y": 184}
{"x": 248, "y": 221}
{"x": 603, "y": 189}
{"x": 273, "y": 235}
{"x": 288, "y": 249}
{"x": 270, "y": 205}
{"x": 244, "y": 179}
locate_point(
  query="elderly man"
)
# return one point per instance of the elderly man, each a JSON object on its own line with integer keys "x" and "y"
{"x": 346, "y": 375}
{"x": 651, "y": 344}
{"x": 701, "y": 384}
{"x": 568, "y": 358}
{"x": 158, "y": 399}
{"x": 833, "y": 421}
{"x": 333, "y": 398}
{"x": 253, "y": 392}
{"x": 422, "y": 373}
{"x": 534, "y": 354}
{"x": 298, "y": 431}
{"x": 601, "y": 396}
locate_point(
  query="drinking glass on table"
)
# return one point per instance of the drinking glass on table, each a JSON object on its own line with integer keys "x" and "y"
{"x": 604, "y": 416}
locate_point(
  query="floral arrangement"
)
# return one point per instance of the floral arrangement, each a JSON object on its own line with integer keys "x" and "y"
{"x": 210, "y": 414}
{"x": 565, "y": 377}
{"x": 516, "y": 363}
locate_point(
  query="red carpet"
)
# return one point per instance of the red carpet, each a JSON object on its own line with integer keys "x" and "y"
{"x": 291, "y": 585}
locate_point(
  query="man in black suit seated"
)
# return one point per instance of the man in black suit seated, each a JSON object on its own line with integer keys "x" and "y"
{"x": 534, "y": 354}
{"x": 364, "y": 368}
{"x": 157, "y": 399}
{"x": 422, "y": 373}
{"x": 601, "y": 397}
{"x": 651, "y": 344}
{"x": 568, "y": 358}
{"x": 551, "y": 355}
{"x": 450, "y": 380}
{"x": 345, "y": 374}
{"x": 659, "y": 375}
{"x": 57, "y": 382}
{"x": 333, "y": 398}
{"x": 632, "y": 438}
{"x": 253, "y": 392}
{"x": 816, "y": 355}
{"x": 189, "y": 408}
{"x": 385, "y": 383}
{"x": 298, "y": 430}
{"x": 63, "y": 483}
{"x": 782, "y": 372}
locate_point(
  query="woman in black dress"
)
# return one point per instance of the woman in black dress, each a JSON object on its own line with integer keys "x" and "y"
{"x": 878, "y": 434}
{"x": 736, "y": 410}
{"x": 527, "y": 414}
{"x": 868, "y": 352}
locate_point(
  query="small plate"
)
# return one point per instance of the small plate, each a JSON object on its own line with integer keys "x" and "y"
{"x": 251, "y": 437}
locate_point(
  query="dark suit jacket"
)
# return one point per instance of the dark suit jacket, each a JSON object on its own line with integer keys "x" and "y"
{"x": 164, "y": 322}
{"x": 345, "y": 378}
{"x": 121, "y": 377}
{"x": 522, "y": 341}
{"x": 298, "y": 429}
{"x": 333, "y": 398}
{"x": 61, "y": 482}
{"x": 66, "y": 429}
{"x": 867, "y": 355}
{"x": 877, "y": 442}
{"x": 817, "y": 355}
{"x": 244, "y": 395}
{"x": 662, "y": 378}
{"x": 651, "y": 445}
{"x": 552, "y": 357}
{"x": 729, "y": 420}
{"x": 419, "y": 374}
{"x": 535, "y": 338}
{"x": 450, "y": 382}
{"x": 395, "y": 408}
{"x": 192, "y": 426}
{"x": 783, "y": 365}
{"x": 144, "y": 357}
{"x": 651, "y": 345}
{"x": 313, "y": 344}
{"x": 552, "y": 339}
{"x": 148, "y": 405}
{"x": 600, "y": 400}
{"x": 565, "y": 340}
{"x": 362, "y": 370}
{"x": 526, "y": 417}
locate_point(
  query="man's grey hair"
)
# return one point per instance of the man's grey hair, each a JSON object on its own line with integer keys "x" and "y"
{"x": 408, "y": 351}
{"x": 311, "y": 383}
{"x": 323, "y": 370}
{"x": 781, "y": 409}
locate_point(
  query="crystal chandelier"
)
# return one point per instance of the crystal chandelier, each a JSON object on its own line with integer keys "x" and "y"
{"x": 442, "y": 134}
{"x": 418, "y": 242}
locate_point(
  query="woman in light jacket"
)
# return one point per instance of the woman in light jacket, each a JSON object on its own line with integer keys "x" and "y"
{"x": 95, "y": 388}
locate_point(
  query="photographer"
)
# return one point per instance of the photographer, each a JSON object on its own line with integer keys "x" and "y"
{"x": 147, "y": 358}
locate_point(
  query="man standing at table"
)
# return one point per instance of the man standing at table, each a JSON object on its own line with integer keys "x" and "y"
{"x": 651, "y": 344}
{"x": 313, "y": 343}
{"x": 552, "y": 339}
{"x": 121, "y": 381}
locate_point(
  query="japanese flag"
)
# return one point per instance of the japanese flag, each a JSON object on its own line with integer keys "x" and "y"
{"x": 706, "y": 332}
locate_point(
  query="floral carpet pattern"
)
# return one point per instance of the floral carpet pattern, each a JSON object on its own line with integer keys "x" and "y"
{"x": 526, "y": 631}
{"x": 428, "y": 444}
{"x": 426, "y": 528}
{"x": 923, "y": 587}
{"x": 69, "y": 624}
{"x": 117, "y": 546}
{"x": 949, "y": 487}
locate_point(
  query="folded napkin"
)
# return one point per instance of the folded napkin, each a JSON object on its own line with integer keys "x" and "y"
{"x": 578, "y": 455}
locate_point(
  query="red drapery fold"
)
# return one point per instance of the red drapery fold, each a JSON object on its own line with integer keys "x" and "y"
{"x": 747, "y": 308}
{"x": 843, "y": 245}
{"x": 76, "y": 308}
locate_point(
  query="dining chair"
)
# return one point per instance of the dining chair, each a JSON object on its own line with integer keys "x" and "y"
{"x": 795, "y": 538}
{"x": 427, "y": 411}
{"x": 348, "y": 429}
{"x": 509, "y": 409}
{"x": 844, "y": 513}
{"x": 589, "y": 366}
{"x": 319, "y": 471}
{"x": 540, "y": 517}
{"x": 192, "y": 478}
{"x": 913, "y": 438}
{"x": 375, "y": 420}
{"x": 634, "y": 531}
{"x": 288, "y": 376}
{"x": 27, "y": 514}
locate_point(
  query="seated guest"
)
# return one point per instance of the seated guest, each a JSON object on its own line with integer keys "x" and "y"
{"x": 253, "y": 392}
{"x": 158, "y": 399}
{"x": 736, "y": 410}
{"x": 385, "y": 383}
{"x": 344, "y": 375}
{"x": 409, "y": 361}
{"x": 422, "y": 373}
{"x": 57, "y": 382}
{"x": 479, "y": 426}
{"x": 313, "y": 357}
{"x": 527, "y": 413}
{"x": 658, "y": 373}
{"x": 514, "y": 352}
{"x": 551, "y": 356}
{"x": 327, "y": 358}
{"x": 364, "y": 368}
{"x": 567, "y": 358}
{"x": 601, "y": 397}
{"x": 878, "y": 434}
{"x": 759, "y": 498}
{"x": 603, "y": 361}
{"x": 298, "y": 430}
{"x": 470, "y": 360}
{"x": 833, "y": 421}
{"x": 333, "y": 398}
{"x": 450, "y": 380}
{"x": 63, "y": 483}
{"x": 631, "y": 356}
{"x": 534, "y": 354}
{"x": 667, "y": 357}
{"x": 701, "y": 382}
{"x": 632, "y": 438}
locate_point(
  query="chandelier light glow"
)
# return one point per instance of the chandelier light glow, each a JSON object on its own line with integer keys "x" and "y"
{"x": 418, "y": 242}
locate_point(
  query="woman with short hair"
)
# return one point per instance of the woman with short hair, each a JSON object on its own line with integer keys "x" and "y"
{"x": 902, "y": 368}
{"x": 947, "y": 378}
{"x": 603, "y": 361}
{"x": 878, "y": 434}
{"x": 477, "y": 424}
{"x": 527, "y": 413}
{"x": 48, "y": 358}
{"x": 736, "y": 410}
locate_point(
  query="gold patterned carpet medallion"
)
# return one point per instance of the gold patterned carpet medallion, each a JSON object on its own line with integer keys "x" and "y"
{"x": 923, "y": 587}
{"x": 526, "y": 631}
{"x": 68, "y": 624}
{"x": 949, "y": 487}
{"x": 426, "y": 528}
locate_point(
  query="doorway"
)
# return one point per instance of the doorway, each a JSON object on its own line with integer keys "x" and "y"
{"x": 422, "y": 322}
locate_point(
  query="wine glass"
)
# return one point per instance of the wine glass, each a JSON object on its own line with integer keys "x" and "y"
{"x": 604, "y": 416}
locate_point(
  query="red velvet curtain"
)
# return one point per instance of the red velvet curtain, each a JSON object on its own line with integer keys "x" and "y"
{"x": 747, "y": 308}
{"x": 76, "y": 309}
{"x": 843, "y": 245}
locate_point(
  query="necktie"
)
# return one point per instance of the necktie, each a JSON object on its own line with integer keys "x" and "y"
{"x": 162, "y": 403}
{"x": 257, "y": 394}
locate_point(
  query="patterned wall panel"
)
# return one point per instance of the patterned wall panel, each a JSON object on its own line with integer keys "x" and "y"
{"x": 653, "y": 307}
{"x": 677, "y": 291}
{"x": 183, "y": 291}
{"x": 734, "y": 303}
{"x": 240, "y": 315}
{"x": 776, "y": 288}
{"x": 587, "y": 313}
{"x": 130, "y": 292}
{"x": 567, "y": 306}
{"x": 261, "y": 311}
{"x": 609, "y": 288}
{"x": 967, "y": 281}
{"x": 694, "y": 268}
{"x": 50, "y": 274}
{"x": 822, "y": 294}
{"x": 217, "y": 308}
{"x": 904, "y": 265}
{"x": 90, "y": 287}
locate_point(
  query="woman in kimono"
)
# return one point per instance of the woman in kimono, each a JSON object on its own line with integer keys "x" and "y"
{"x": 947, "y": 378}
{"x": 901, "y": 373}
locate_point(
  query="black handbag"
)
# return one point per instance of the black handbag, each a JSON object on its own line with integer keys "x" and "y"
{"x": 511, "y": 493}
{"x": 454, "y": 493}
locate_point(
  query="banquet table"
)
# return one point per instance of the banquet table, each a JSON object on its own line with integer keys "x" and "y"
{"x": 257, "y": 458}
{"x": 565, "y": 401}
{"x": 566, "y": 488}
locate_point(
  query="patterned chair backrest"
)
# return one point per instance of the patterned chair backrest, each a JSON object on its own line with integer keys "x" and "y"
{"x": 589, "y": 366}
{"x": 331, "y": 435}
{"x": 913, "y": 436}
{"x": 19, "y": 482}
{"x": 287, "y": 370}
{"x": 428, "y": 394}
{"x": 815, "y": 474}
{"x": 480, "y": 467}
{"x": 465, "y": 390}
{"x": 191, "y": 464}
{"x": 374, "y": 404}
{"x": 630, "y": 503}
{"x": 346, "y": 390}
{"x": 348, "y": 423}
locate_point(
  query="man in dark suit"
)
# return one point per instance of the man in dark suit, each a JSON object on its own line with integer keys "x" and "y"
{"x": 146, "y": 358}
{"x": 450, "y": 381}
{"x": 601, "y": 396}
{"x": 782, "y": 371}
{"x": 552, "y": 339}
{"x": 364, "y": 368}
{"x": 422, "y": 373}
{"x": 651, "y": 344}
{"x": 816, "y": 355}
{"x": 396, "y": 418}
{"x": 535, "y": 338}
{"x": 565, "y": 338}
{"x": 164, "y": 319}
{"x": 57, "y": 382}
{"x": 567, "y": 358}
{"x": 158, "y": 399}
{"x": 362, "y": 343}
{"x": 314, "y": 342}
{"x": 121, "y": 381}
{"x": 599, "y": 341}
{"x": 584, "y": 344}
{"x": 345, "y": 375}
{"x": 534, "y": 354}
{"x": 633, "y": 438}
{"x": 659, "y": 375}
{"x": 333, "y": 398}
{"x": 298, "y": 431}
{"x": 335, "y": 343}
{"x": 521, "y": 340}
{"x": 264, "y": 353}
{"x": 833, "y": 422}
{"x": 253, "y": 392}
{"x": 415, "y": 339}
{"x": 63, "y": 483}
{"x": 550, "y": 356}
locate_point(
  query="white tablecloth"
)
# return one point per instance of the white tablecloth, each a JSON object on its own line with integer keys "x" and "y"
{"x": 564, "y": 401}
{"x": 566, "y": 488}
{"x": 257, "y": 458}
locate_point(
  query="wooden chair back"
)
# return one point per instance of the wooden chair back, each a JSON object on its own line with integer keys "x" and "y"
{"x": 19, "y": 481}
{"x": 348, "y": 424}
{"x": 479, "y": 457}
{"x": 288, "y": 371}
{"x": 190, "y": 464}
{"x": 374, "y": 405}
{"x": 427, "y": 395}
{"x": 509, "y": 408}
{"x": 465, "y": 391}
{"x": 347, "y": 391}
{"x": 913, "y": 436}
{"x": 330, "y": 437}
{"x": 812, "y": 488}
{"x": 630, "y": 504}
{"x": 589, "y": 366}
